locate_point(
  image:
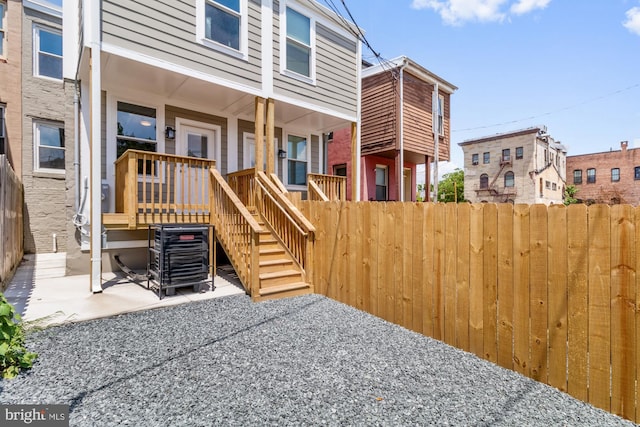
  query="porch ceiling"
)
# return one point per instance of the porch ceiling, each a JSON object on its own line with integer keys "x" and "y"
{"x": 182, "y": 90}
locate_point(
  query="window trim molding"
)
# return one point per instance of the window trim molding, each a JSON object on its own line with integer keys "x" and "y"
{"x": 36, "y": 51}
{"x": 312, "y": 78}
{"x": 36, "y": 147}
{"x": 3, "y": 130}
{"x": 243, "y": 52}
{"x": 441, "y": 101}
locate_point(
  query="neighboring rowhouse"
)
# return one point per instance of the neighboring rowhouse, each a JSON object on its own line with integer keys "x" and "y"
{"x": 610, "y": 177}
{"x": 186, "y": 84}
{"x": 11, "y": 82}
{"x": 44, "y": 156}
{"x": 397, "y": 129}
{"x": 524, "y": 166}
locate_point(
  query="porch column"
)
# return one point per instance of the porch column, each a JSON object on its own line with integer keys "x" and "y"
{"x": 95, "y": 174}
{"x": 271, "y": 161}
{"x": 259, "y": 133}
{"x": 427, "y": 179}
{"x": 355, "y": 161}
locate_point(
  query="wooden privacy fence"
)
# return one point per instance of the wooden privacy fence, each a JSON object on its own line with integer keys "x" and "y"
{"x": 11, "y": 226}
{"x": 549, "y": 292}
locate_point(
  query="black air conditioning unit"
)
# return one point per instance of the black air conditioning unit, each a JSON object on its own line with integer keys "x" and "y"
{"x": 178, "y": 256}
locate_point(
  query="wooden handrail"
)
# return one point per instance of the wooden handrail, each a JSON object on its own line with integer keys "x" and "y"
{"x": 241, "y": 182}
{"x": 164, "y": 187}
{"x": 293, "y": 230}
{"x": 315, "y": 193}
{"x": 332, "y": 186}
{"x": 237, "y": 230}
{"x": 293, "y": 211}
{"x": 279, "y": 185}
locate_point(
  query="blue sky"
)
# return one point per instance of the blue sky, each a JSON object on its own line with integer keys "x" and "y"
{"x": 571, "y": 65}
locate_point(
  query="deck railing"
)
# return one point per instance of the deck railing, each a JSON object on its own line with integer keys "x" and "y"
{"x": 291, "y": 227}
{"x": 326, "y": 187}
{"x": 242, "y": 183}
{"x": 162, "y": 188}
{"x": 237, "y": 231}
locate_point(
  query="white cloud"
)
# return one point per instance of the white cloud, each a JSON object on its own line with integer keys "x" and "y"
{"x": 525, "y": 6}
{"x": 457, "y": 12}
{"x": 633, "y": 20}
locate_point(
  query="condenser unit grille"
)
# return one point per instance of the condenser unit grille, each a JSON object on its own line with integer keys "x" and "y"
{"x": 178, "y": 256}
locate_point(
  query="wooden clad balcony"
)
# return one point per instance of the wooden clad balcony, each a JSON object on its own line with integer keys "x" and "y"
{"x": 157, "y": 188}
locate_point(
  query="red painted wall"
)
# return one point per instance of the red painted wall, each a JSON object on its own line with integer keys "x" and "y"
{"x": 339, "y": 152}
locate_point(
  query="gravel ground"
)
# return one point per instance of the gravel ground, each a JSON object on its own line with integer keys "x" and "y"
{"x": 298, "y": 361}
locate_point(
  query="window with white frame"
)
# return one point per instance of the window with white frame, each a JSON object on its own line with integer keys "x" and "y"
{"x": 222, "y": 25}
{"x": 297, "y": 160}
{"x": 49, "y": 147}
{"x": 382, "y": 183}
{"x": 440, "y": 115}
{"x": 47, "y": 57}
{"x": 3, "y": 26}
{"x": 299, "y": 44}
{"x": 136, "y": 130}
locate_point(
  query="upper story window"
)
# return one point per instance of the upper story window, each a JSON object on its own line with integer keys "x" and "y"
{"x": 484, "y": 181}
{"x": 222, "y": 25}
{"x": 299, "y": 38}
{"x": 486, "y": 157}
{"x": 636, "y": 172}
{"x": 509, "y": 179}
{"x": 519, "y": 153}
{"x": 136, "y": 130}
{"x": 47, "y": 57}
{"x": 297, "y": 163}
{"x": 591, "y": 176}
{"x": 506, "y": 155}
{"x": 3, "y": 10}
{"x": 615, "y": 174}
{"x": 49, "y": 148}
{"x": 577, "y": 176}
{"x": 441, "y": 115}
{"x": 474, "y": 159}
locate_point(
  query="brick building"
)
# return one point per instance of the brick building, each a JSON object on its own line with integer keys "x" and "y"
{"x": 610, "y": 177}
{"x": 524, "y": 166}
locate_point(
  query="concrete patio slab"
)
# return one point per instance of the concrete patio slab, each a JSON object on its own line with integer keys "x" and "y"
{"x": 44, "y": 296}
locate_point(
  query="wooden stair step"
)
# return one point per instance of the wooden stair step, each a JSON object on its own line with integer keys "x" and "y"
{"x": 279, "y": 274}
{"x": 284, "y": 288}
{"x": 274, "y": 262}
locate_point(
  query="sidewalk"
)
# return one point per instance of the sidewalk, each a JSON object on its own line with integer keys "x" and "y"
{"x": 43, "y": 295}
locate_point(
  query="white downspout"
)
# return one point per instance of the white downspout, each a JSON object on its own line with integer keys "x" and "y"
{"x": 436, "y": 138}
{"x": 95, "y": 181}
{"x": 400, "y": 172}
{"x": 358, "y": 123}
{"x": 76, "y": 144}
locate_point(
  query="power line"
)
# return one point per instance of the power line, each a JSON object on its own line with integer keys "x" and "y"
{"x": 548, "y": 113}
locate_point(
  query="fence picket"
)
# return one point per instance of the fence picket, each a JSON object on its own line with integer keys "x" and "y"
{"x": 462, "y": 277}
{"x": 476, "y": 275}
{"x": 623, "y": 297}
{"x": 599, "y": 306}
{"x": 490, "y": 283}
{"x": 450, "y": 261}
{"x": 521, "y": 255}
{"x": 505, "y": 285}
{"x": 557, "y": 291}
{"x": 538, "y": 292}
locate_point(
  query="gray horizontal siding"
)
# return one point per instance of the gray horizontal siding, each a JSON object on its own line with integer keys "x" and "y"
{"x": 166, "y": 30}
{"x": 336, "y": 71}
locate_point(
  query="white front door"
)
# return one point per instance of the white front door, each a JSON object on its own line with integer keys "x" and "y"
{"x": 193, "y": 140}
{"x": 196, "y": 142}
{"x": 249, "y": 148}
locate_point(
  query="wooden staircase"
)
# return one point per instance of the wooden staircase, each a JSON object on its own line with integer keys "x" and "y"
{"x": 279, "y": 275}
